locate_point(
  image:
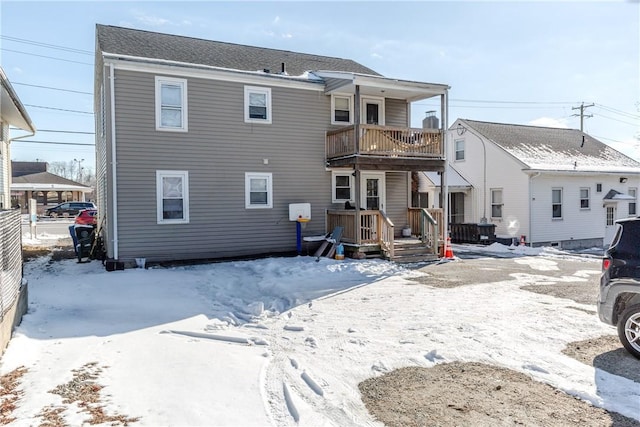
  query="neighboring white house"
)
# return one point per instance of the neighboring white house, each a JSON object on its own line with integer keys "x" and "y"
{"x": 558, "y": 187}
{"x": 12, "y": 113}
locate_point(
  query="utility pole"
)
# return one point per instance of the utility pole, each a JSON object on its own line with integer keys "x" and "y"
{"x": 582, "y": 115}
{"x": 79, "y": 168}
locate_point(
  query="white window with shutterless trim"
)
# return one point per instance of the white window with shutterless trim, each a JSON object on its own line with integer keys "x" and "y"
{"x": 258, "y": 190}
{"x": 257, "y": 104}
{"x": 172, "y": 195}
{"x": 342, "y": 186}
{"x": 171, "y": 104}
{"x": 341, "y": 109}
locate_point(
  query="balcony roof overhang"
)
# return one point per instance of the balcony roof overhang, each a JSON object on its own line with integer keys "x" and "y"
{"x": 12, "y": 111}
{"x": 344, "y": 82}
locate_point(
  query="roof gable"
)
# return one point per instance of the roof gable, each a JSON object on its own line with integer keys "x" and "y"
{"x": 45, "y": 178}
{"x": 555, "y": 149}
{"x": 147, "y": 44}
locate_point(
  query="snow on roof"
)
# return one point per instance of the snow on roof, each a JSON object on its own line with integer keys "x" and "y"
{"x": 554, "y": 149}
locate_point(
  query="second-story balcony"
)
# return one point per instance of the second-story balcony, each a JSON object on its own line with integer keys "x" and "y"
{"x": 385, "y": 148}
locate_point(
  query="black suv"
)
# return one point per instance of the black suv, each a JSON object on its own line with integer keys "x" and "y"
{"x": 619, "y": 301}
{"x": 68, "y": 209}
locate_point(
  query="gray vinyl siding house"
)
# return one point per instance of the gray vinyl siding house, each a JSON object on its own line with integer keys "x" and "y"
{"x": 186, "y": 191}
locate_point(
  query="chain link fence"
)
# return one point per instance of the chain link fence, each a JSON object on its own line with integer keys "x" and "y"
{"x": 10, "y": 260}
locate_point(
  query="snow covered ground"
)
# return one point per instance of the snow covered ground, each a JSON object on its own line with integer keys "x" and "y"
{"x": 285, "y": 341}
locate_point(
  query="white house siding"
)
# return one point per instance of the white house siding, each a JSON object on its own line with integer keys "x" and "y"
{"x": 502, "y": 171}
{"x": 578, "y": 227}
{"x": 217, "y": 151}
{"x": 5, "y": 168}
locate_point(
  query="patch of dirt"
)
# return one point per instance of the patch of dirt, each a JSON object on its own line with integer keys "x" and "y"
{"x": 583, "y": 293}
{"x": 467, "y": 394}
{"x": 10, "y": 393}
{"x": 605, "y": 353}
{"x": 83, "y": 391}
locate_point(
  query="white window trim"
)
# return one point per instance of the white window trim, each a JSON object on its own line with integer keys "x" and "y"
{"x": 633, "y": 190}
{"x": 185, "y": 195}
{"x": 455, "y": 150}
{"x": 501, "y": 204}
{"x": 247, "y": 189}
{"x": 561, "y": 203}
{"x": 373, "y": 100}
{"x": 256, "y": 89}
{"x": 588, "y": 198}
{"x": 171, "y": 80}
{"x": 333, "y": 109}
{"x": 333, "y": 186}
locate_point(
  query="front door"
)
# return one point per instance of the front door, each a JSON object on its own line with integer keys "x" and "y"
{"x": 610, "y": 220}
{"x": 372, "y": 194}
{"x": 372, "y": 111}
{"x": 456, "y": 208}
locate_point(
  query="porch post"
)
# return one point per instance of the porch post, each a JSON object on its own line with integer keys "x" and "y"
{"x": 444, "y": 190}
{"x": 357, "y": 189}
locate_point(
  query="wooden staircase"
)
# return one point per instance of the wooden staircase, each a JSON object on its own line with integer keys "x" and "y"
{"x": 408, "y": 250}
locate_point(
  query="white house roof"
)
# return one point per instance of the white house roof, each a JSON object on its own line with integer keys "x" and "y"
{"x": 46, "y": 181}
{"x": 454, "y": 179}
{"x": 553, "y": 149}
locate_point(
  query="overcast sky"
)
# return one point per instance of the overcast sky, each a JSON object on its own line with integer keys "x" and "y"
{"x": 519, "y": 62}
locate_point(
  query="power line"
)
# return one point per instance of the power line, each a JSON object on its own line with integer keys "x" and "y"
{"x": 47, "y": 45}
{"x": 52, "y": 142}
{"x": 483, "y": 101}
{"x": 622, "y": 113}
{"x": 44, "y": 56}
{"x": 53, "y": 88}
{"x": 60, "y": 131}
{"x": 621, "y": 121}
{"x": 57, "y": 109}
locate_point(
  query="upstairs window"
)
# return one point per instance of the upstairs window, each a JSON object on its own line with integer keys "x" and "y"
{"x": 459, "y": 147}
{"x": 633, "y": 192}
{"x": 172, "y": 192}
{"x": 496, "y": 203}
{"x": 556, "y": 203}
{"x": 584, "y": 198}
{"x": 341, "y": 109}
{"x": 257, "y": 104}
{"x": 171, "y": 104}
{"x": 258, "y": 190}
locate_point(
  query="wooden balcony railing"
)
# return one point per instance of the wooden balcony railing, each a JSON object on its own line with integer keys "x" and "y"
{"x": 374, "y": 227}
{"x": 429, "y": 225}
{"x": 384, "y": 141}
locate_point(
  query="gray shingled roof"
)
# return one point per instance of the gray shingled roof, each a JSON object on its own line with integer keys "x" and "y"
{"x": 147, "y": 44}
{"x": 544, "y": 148}
{"x": 45, "y": 178}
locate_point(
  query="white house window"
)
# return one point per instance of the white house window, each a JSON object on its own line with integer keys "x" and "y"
{"x": 342, "y": 185}
{"x": 258, "y": 190}
{"x": 172, "y": 191}
{"x": 556, "y": 202}
{"x": 257, "y": 104}
{"x": 341, "y": 109}
{"x": 633, "y": 192}
{"x": 459, "y": 146}
{"x": 610, "y": 215}
{"x": 171, "y": 104}
{"x": 584, "y": 198}
{"x": 496, "y": 203}
{"x": 598, "y": 187}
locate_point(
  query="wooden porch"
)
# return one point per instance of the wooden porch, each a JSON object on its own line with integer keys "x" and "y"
{"x": 371, "y": 231}
{"x": 385, "y": 148}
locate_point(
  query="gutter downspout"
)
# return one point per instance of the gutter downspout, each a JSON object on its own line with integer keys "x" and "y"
{"x": 114, "y": 179}
{"x": 531, "y": 178}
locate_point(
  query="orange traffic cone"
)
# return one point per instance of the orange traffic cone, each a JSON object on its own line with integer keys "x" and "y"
{"x": 448, "y": 252}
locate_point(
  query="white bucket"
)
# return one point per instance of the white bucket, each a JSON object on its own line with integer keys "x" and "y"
{"x": 140, "y": 262}
{"x": 406, "y": 232}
